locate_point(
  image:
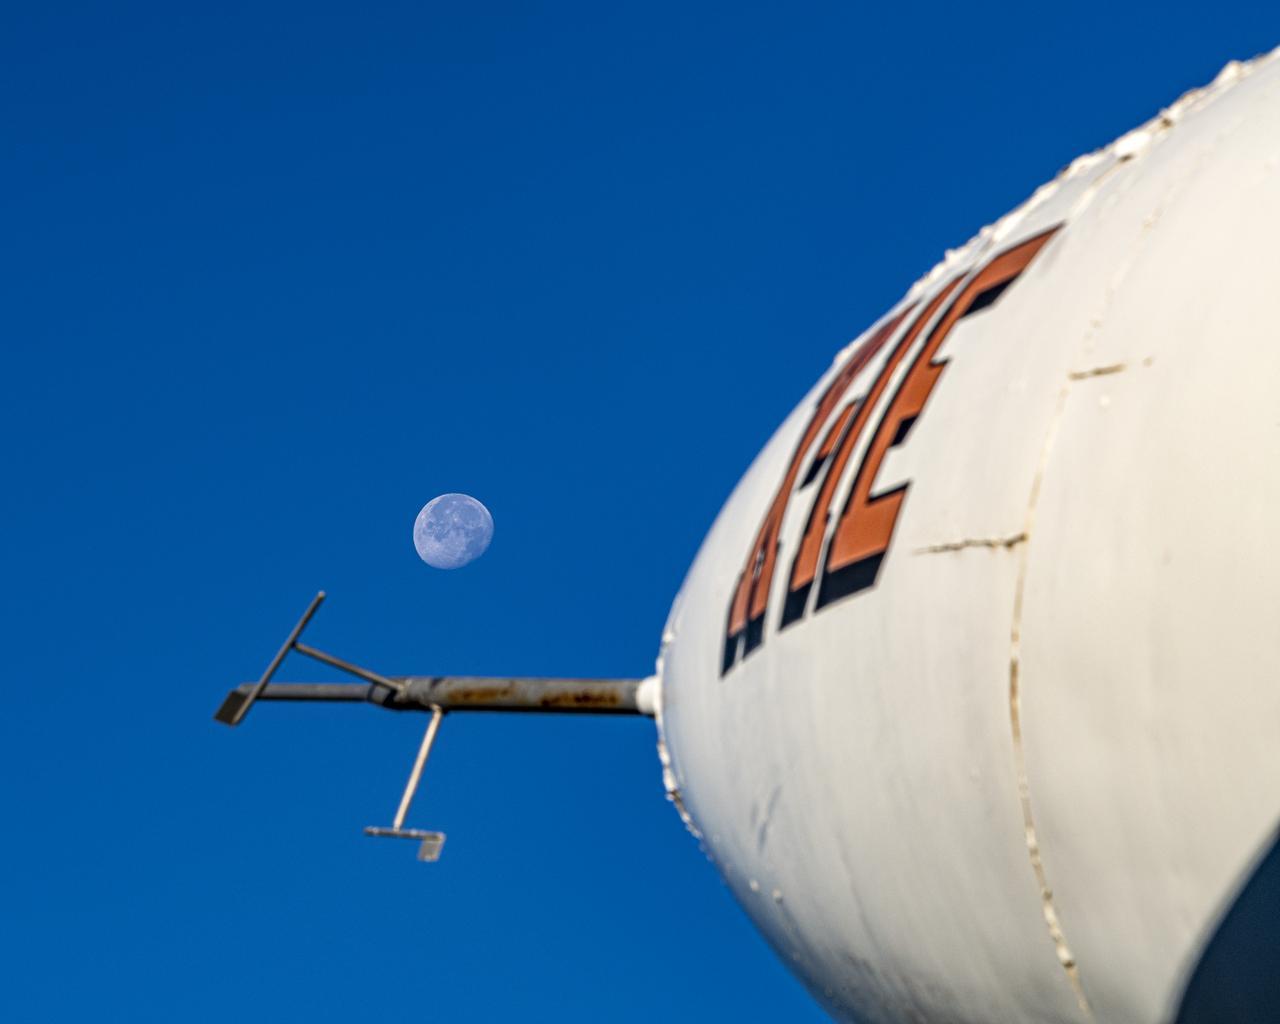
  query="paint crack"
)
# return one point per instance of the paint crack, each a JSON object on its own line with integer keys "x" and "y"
{"x": 991, "y": 543}
{"x": 1097, "y": 371}
{"x": 1047, "y": 906}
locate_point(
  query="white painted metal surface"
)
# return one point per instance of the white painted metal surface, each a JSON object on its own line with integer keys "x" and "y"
{"x": 1018, "y": 777}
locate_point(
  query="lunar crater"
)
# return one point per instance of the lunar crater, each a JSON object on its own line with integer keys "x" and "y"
{"x": 452, "y": 530}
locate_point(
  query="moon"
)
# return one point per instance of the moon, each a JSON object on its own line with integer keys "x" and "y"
{"x": 452, "y": 530}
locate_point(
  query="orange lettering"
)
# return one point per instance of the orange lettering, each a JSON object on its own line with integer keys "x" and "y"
{"x": 864, "y": 530}
{"x": 866, "y": 525}
{"x": 751, "y": 596}
{"x": 805, "y": 566}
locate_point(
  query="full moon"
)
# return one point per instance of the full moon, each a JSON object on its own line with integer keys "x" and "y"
{"x": 452, "y": 530}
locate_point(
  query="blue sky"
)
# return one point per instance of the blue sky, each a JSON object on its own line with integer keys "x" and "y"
{"x": 276, "y": 275}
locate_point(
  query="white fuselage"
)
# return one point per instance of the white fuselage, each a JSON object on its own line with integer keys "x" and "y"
{"x": 973, "y": 690}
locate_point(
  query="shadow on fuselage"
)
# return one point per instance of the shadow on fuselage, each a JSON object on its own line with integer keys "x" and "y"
{"x": 1238, "y": 977}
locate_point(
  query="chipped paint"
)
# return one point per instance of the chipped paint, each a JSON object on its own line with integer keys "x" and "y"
{"x": 1121, "y": 151}
{"x": 761, "y": 819}
{"x": 654, "y": 694}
